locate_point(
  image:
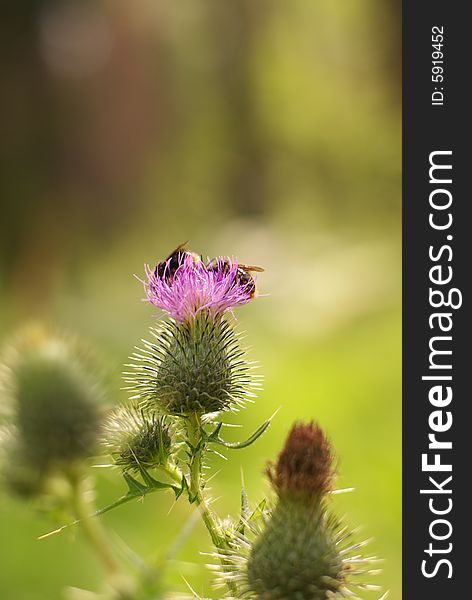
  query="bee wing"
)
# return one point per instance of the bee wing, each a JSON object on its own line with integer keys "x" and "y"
{"x": 252, "y": 268}
{"x": 180, "y": 248}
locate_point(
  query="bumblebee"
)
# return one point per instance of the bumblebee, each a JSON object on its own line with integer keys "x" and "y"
{"x": 166, "y": 269}
{"x": 243, "y": 275}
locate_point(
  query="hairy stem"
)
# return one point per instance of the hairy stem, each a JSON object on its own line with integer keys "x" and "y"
{"x": 196, "y": 490}
{"x": 84, "y": 509}
{"x": 195, "y": 485}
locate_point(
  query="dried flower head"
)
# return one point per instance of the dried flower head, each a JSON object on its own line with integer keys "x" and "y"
{"x": 184, "y": 287}
{"x": 305, "y": 465}
{"x": 137, "y": 438}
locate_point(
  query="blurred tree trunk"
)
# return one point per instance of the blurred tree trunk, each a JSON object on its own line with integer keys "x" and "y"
{"x": 236, "y": 26}
{"x": 79, "y": 114}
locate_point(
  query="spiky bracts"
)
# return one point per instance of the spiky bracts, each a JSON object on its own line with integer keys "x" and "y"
{"x": 296, "y": 555}
{"x": 137, "y": 438}
{"x": 191, "y": 367}
{"x": 54, "y": 406}
{"x": 296, "y": 549}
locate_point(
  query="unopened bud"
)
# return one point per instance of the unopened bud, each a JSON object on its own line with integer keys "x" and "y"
{"x": 305, "y": 465}
{"x": 137, "y": 438}
{"x": 299, "y": 550}
{"x": 54, "y": 403}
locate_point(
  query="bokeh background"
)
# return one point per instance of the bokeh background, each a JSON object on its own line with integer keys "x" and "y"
{"x": 267, "y": 130}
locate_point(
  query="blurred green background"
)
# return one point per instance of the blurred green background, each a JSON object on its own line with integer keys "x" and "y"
{"x": 266, "y": 130}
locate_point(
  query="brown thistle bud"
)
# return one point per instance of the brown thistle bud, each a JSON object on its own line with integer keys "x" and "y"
{"x": 299, "y": 550}
{"x": 305, "y": 466}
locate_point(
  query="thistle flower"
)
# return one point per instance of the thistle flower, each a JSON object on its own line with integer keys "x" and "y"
{"x": 137, "y": 438}
{"x": 195, "y": 365}
{"x": 298, "y": 550}
{"x": 54, "y": 403}
{"x": 191, "y": 287}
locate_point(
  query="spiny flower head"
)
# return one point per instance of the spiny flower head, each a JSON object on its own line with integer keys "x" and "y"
{"x": 184, "y": 287}
{"x": 297, "y": 549}
{"x": 54, "y": 401}
{"x": 137, "y": 438}
{"x": 195, "y": 364}
{"x": 305, "y": 466}
{"x": 192, "y": 367}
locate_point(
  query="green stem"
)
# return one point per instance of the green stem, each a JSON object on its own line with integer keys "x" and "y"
{"x": 173, "y": 472}
{"x": 84, "y": 508}
{"x": 194, "y": 440}
{"x": 196, "y": 493}
{"x": 210, "y": 520}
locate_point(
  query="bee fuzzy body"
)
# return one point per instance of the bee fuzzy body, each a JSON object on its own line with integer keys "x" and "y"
{"x": 242, "y": 276}
{"x": 167, "y": 268}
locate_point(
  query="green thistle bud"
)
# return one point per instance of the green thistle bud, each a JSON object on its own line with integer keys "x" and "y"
{"x": 299, "y": 550}
{"x": 19, "y": 476}
{"x": 137, "y": 438}
{"x": 192, "y": 367}
{"x": 296, "y": 555}
{"x": 54, "y": 404}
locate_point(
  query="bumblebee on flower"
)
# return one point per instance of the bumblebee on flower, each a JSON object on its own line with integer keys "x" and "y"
{"x": 183, "y": 285}
{"x": 195, "y": 364}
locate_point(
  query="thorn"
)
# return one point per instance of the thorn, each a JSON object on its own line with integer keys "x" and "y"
{"x": 341, "y": 491}
{"x": 51, "y": 533}
{"x": 213, "y": 476}
{"x": 273, "y": 415}
{"x": 190, "y": 588}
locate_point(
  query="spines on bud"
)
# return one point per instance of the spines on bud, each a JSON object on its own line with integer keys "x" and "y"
{"x": 295, "y": 556}
{"x": 192, "y": 367}
{"x": 137, "y": 438}
{"x": 298, "y": 550}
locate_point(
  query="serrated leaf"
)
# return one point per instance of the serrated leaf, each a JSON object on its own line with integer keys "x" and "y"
{"x": 134, "y": 486}
{"x": 182, "y": 489}
{"x": 135, "y": 490}
{"x": 215, "y": 439}
{"x": 258, "y": 511}
{"x": 214, "y": 436}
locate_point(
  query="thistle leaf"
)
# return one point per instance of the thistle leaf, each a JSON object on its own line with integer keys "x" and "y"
{"x": 134, "y": 486}
{"x": 248, "y": 517}
{"x": 183, "y": 488}
{"x": 214, "y": 438}
{"x": 135, "y": 490}
{"x": 258, "y": 512}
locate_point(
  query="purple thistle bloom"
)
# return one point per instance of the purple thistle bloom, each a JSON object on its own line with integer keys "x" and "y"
{"x": 195, "y": 287}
